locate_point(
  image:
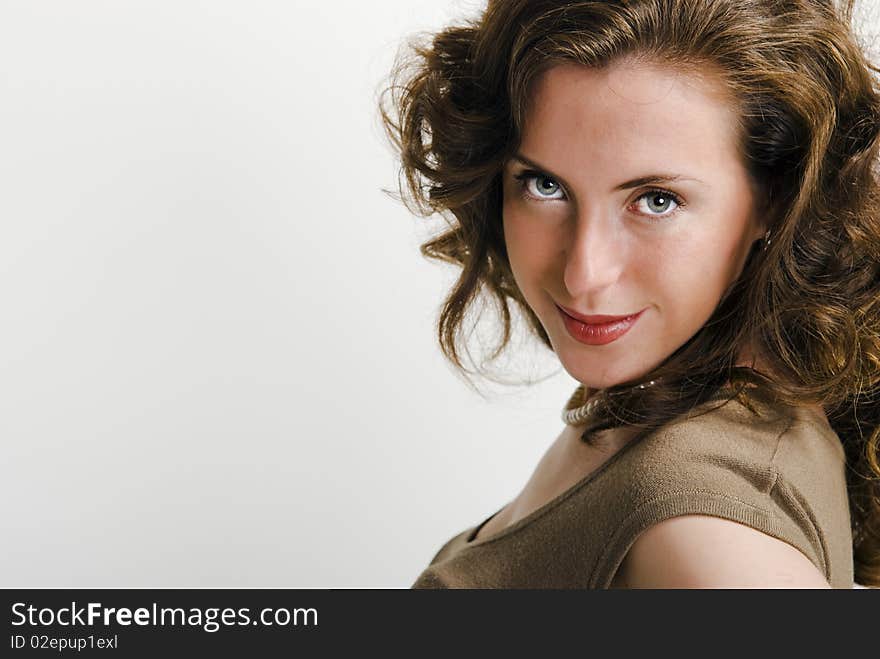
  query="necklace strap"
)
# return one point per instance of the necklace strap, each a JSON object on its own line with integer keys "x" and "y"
{"x": 578, "y": 411}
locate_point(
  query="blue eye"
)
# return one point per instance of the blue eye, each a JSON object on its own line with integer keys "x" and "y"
{"x": 545, "y": 184}
{"x": 666, "y": 197}
{"x": 546, "y": 188}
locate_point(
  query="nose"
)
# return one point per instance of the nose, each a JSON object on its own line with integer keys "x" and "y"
{"x": 594, "y": 257}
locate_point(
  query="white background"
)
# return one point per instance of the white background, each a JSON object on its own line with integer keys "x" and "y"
{"x": 217, "y": 350}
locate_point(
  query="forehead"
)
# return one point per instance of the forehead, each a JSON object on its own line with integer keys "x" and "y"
{"x": 629, "y": 111}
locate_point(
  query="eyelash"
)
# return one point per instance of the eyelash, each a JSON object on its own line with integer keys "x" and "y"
{"x": 528, "y": 174}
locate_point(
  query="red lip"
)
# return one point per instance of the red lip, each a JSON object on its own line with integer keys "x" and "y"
{"x": 597, "y": 319}
{"x": 598, "y": 334}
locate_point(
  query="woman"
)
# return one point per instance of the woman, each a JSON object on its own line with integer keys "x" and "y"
{"x": 679, "y": 196}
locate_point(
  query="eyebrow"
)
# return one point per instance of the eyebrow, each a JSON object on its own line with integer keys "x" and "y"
{"x": 634, "y": 183}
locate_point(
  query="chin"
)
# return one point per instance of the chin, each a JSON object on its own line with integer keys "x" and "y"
{"x": 600, "y": 371}
{"x": 585, "y": 372}
{"x": 600, "y": 367}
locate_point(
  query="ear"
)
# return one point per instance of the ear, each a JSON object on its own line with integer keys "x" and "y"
{"x": 760, "y": 232}
{"x": 758, "y": 221}
{"x": 757, "y": 228}
{"x": 761, "y": 211}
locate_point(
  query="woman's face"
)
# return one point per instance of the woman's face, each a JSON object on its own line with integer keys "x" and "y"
{"x": 583, "y": 232}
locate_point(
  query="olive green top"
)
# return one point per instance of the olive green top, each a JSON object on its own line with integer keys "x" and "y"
{"x": 781, "y": 471}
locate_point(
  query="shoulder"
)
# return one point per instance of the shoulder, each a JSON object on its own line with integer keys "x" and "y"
{"x": 720, "y": 452}
{"x": 703, "y": 551}
{"x": 724, "y": 429}
{"x": 728, "y": 498}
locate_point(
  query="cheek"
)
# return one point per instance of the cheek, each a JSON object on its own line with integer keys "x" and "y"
{"x": 529, "y": 245}
{"x": 691, "y": 274}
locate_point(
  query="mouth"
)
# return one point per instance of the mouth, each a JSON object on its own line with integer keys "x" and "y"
{"x": 597, "y": 333}
{"x": 596, "y": 319}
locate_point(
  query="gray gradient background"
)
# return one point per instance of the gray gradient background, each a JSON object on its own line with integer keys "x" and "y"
{"x": 216, "y": 331}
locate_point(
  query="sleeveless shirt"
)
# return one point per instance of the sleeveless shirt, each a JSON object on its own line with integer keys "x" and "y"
{"x": 777, "y": 469}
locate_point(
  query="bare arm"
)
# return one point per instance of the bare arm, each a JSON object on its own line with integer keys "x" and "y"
{"x": 703, "y": 551}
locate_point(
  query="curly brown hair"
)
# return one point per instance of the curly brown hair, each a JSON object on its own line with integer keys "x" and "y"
{"x": 809, "y": 118}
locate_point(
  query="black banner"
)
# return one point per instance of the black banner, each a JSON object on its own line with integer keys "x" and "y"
{"x": 253, "y": 622}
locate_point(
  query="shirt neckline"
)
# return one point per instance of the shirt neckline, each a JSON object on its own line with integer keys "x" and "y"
{"x": 469, "y": 542}
{"x": 468, "y": 535}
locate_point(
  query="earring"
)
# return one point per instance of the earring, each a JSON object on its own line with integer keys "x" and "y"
{"x": 766, "y": 239}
